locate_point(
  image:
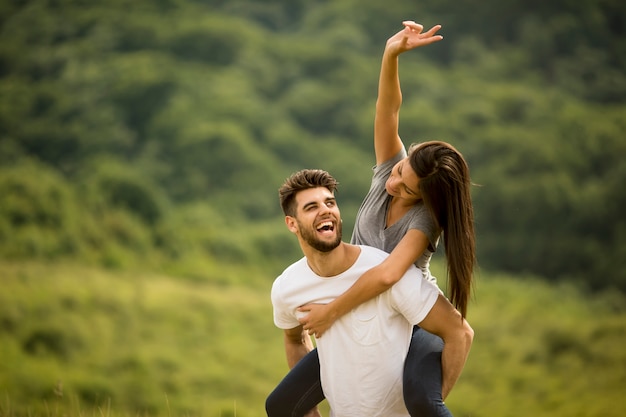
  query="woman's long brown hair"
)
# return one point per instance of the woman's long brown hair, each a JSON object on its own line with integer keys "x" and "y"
{"x": 445, "y": 187}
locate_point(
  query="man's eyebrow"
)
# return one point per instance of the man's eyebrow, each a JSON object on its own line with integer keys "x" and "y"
{"x": 309, "y": 204}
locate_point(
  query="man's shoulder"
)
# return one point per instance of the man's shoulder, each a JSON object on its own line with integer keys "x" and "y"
{"x": 373, "y": 253}
{"x": 370, "y": 256}
{"x": 288, "y": 278}
{"x": 295, "y": 268}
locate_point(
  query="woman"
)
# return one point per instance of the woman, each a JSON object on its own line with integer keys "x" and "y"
{"x": 412, "y": 201}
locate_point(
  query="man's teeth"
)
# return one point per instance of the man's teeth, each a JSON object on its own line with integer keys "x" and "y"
{"x": 325, "y": 226}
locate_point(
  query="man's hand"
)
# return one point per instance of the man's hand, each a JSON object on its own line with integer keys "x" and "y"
{"x": 319, "y": 318}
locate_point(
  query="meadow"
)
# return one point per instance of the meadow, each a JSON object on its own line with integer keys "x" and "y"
{"x": 84, "y": 341}
{"x": 142, "y": 144}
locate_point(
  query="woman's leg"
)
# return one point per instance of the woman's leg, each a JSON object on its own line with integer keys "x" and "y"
{"x": 299, "y": 391}
{"x": 422, "y": 376}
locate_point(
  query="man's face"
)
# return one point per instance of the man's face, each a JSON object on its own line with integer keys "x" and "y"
{"x": 318, "y": 219}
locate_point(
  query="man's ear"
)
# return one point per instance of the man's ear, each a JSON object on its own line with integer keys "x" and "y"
{"x": 292, "y": 224}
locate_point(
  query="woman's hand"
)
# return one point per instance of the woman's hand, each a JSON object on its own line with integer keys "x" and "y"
{"x": 412, "y": 37}
{"x": 319, "y": 318}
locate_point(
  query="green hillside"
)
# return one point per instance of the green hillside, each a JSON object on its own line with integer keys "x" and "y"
{"x": 83, "y": 341}
{"x": 142, "y": 143}
{"x": 136, "y": 132}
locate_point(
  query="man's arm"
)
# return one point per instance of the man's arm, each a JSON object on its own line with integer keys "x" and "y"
{"x": 446, "y": 322}
{"x": 297, "y": 344}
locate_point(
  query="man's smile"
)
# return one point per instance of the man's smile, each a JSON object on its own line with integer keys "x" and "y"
{"x": 326, "y": 227}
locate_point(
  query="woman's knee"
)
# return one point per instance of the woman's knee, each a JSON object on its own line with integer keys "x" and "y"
{"x": 299, "y": 391}
{"x": 274, "y": 406}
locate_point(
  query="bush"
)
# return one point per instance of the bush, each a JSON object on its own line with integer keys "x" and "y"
{"x": 38, "y": 214}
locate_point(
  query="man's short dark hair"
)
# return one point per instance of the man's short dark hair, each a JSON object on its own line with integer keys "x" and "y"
{"x": 303, "y": 180}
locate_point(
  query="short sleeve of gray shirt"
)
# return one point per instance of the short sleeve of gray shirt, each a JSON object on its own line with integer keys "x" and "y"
{"x": 370, "y": 226}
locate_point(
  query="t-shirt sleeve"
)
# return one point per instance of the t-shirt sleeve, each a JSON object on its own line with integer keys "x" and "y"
{"x": 284, "y": 318}
{"x": 424, "y": 222}
{"x": 383, "y": 170}
{"x": 413, "y": 296}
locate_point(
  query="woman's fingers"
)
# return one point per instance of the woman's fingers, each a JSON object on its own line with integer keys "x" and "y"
{"x": 414, "y": 26}
{"x": 433, "y": 30}
{"x": 418, "y": 29}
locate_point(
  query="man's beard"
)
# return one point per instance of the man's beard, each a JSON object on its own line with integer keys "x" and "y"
{"x": 312, "y": 240}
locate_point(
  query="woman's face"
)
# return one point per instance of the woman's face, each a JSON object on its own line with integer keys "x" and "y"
{"x": 403, "y": 182}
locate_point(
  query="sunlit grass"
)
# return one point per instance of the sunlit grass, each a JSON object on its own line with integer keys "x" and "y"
{"x": 77, "y": 341}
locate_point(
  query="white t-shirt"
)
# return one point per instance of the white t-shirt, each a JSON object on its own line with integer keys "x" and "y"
{"x": 362, "y": 354}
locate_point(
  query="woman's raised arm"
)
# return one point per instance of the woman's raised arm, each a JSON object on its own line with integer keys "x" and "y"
{"x": 387, "y": 142}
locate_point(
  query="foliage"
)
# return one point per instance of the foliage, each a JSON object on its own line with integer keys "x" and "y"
{"x": 134, "y": 112}
{"x": 152, "y": 136}
{"x": 84, "y": 341}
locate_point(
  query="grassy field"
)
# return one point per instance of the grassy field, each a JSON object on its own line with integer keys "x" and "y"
{"x": 77, "y": 341}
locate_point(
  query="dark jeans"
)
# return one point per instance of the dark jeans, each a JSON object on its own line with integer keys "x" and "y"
{"x": 301, "y": 389}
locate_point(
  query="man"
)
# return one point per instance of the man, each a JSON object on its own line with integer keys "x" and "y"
{"x": 362, "y": 355}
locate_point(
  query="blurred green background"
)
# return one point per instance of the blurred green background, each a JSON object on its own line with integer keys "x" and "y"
{"x": 142, "y": 144}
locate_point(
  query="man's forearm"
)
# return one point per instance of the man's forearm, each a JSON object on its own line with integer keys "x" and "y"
{"x": 453, "y": 358}
{"x": 296, "y": 347}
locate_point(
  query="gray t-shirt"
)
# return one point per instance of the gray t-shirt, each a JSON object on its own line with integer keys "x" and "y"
{"x": 371, "y": 220}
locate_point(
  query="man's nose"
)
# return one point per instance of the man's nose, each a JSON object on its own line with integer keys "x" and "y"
{"x": 324, "y": 210}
